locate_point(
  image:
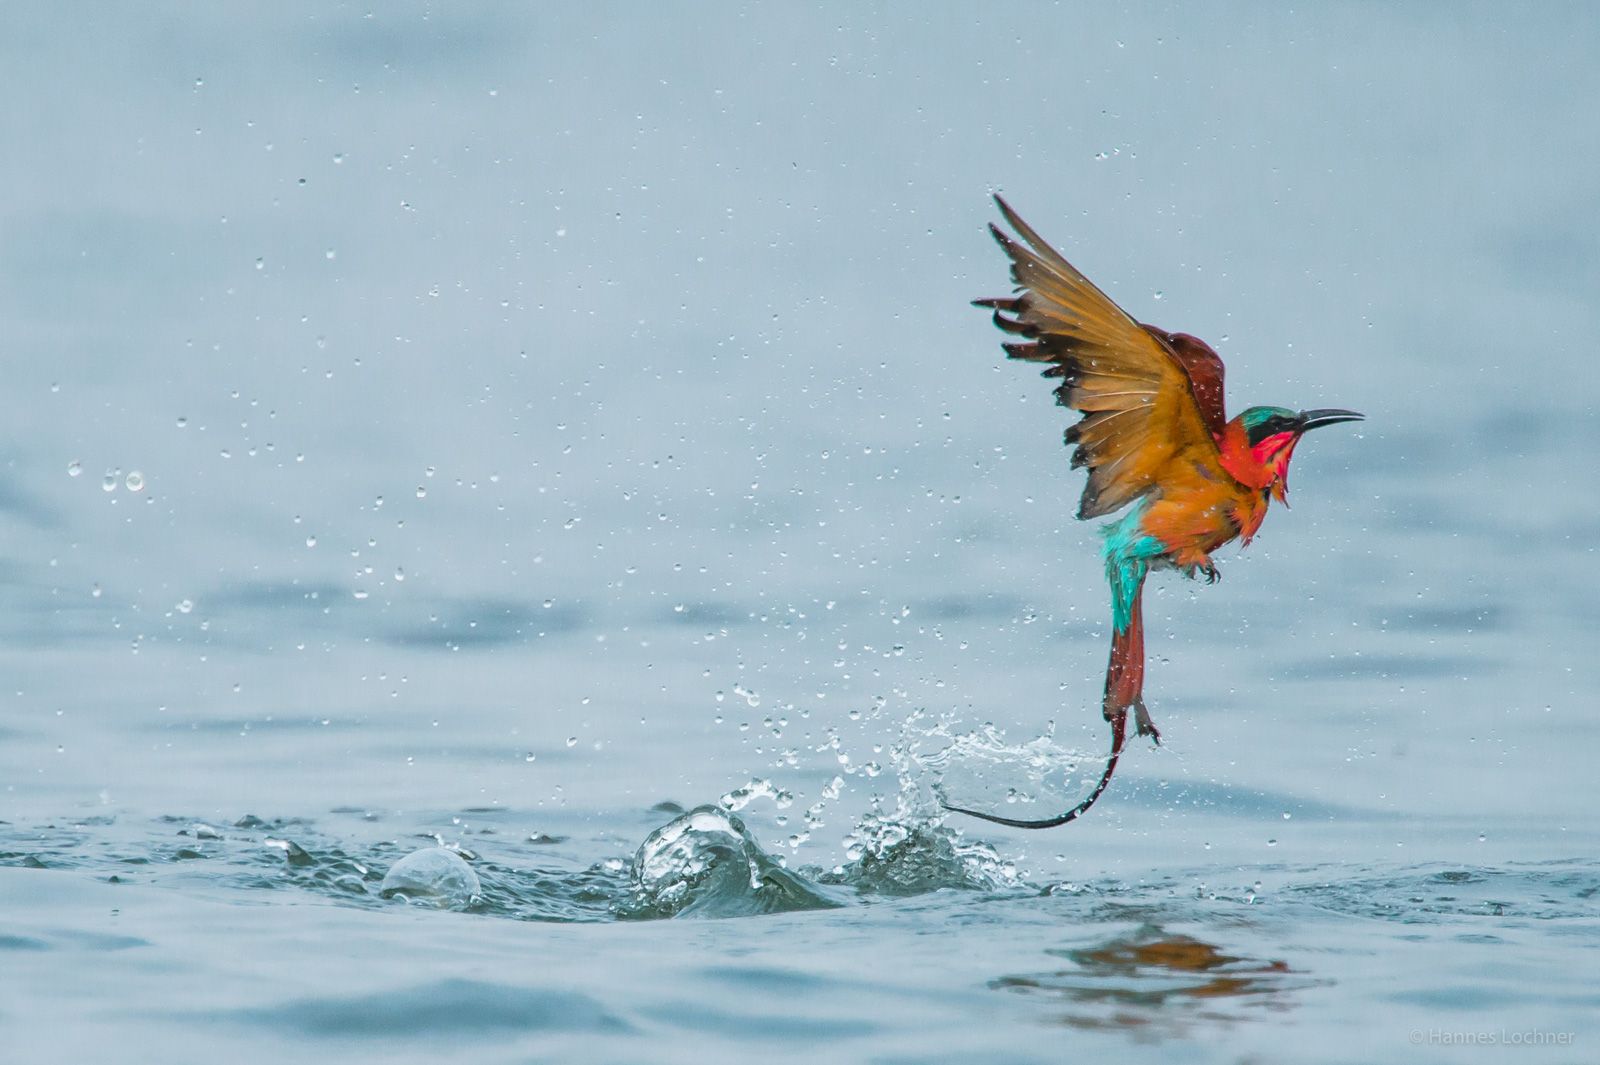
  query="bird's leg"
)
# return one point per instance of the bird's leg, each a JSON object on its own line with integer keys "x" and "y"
{"x": 1195, "y": 562}
{"x": 1141, "y": 721}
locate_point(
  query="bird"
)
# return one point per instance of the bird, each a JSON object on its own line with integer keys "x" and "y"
{"x": 1155, "y": 439}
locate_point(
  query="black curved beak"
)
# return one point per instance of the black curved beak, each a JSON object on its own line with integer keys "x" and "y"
{"x": 1315, "y": 419}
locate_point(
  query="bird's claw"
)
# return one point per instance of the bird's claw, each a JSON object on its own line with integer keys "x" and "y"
{"x": 1210, "y": 570}
{"x": 1142, "y": 722}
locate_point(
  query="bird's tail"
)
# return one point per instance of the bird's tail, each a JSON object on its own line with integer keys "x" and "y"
{"x": 1124, "y": 681}
{"x": 1128, "y": 554}
{"x": 1125, "y": 671}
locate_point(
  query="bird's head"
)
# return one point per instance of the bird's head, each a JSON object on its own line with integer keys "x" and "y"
{"x": 1258, "y": 443}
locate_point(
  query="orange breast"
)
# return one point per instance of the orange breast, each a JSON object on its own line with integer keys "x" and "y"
{"x": 1195, "y": 517}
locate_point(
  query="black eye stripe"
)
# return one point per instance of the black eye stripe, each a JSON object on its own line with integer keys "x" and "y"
{"x": 1271, "y": 427}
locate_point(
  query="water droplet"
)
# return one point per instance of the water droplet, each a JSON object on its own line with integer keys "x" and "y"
{"x": 1158, "y": 295}
{"x": 421, "y": 491}
{"x": 311, "y": 541}
{"x": 330, "y": 253}
{"x": 109, "y": 484}
{"x": 135, "y": 481}
{"x": 572, "y": 741}
{"x": 529, "y": 757}
{"x": 360, "y": 593}
{"x": 399, "y": 574}
{"x": 74, "y": 468}
{"x": 1272, "y": 843}
{"x": 227, "y": 454}
{"x": 186, "y": 606}
{"x": 261, "y": 264}
{"x": 96, "y": 592}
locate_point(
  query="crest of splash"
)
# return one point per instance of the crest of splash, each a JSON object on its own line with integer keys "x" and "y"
{"x": 743, "y": 796}
{"x": 782, "y": 798}
{"x": 705, "y": 863}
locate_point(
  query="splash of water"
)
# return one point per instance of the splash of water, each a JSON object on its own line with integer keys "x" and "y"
{"x": 900, "y": 855}
{"x": 979, "y": 770}
{"x": 908, "y": 850}
{"x": 705, "y": 863}
{"x": 902, "y": 846}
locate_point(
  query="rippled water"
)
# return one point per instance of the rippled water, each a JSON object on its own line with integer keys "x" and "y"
{"x": 554, "y": 452}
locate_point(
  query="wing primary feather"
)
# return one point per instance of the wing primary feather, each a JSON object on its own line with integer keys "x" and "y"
{"x": 1100, "y": 418}
{"x": 1011, "y": 325}
{"x": 1133, "y": 392}
{"x": 1025, "y": 231}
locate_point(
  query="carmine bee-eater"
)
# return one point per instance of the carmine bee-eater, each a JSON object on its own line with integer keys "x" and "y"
{"x": 1153, "y": 436}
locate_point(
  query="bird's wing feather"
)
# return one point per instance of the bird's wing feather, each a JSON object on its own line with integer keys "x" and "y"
{"x": 1139, "y": 406}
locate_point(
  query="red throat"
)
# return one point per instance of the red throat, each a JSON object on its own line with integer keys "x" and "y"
{"x": 1278, "y": 450}
{"x": 1265, "y": 465}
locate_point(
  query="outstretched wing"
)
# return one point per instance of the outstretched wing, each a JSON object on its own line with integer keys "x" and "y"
{"x": 1139, "y": 405}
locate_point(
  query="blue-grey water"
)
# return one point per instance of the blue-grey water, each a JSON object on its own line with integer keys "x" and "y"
{"x": 507, "y": 428}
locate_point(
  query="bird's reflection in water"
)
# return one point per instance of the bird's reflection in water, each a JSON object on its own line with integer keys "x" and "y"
{"x": 1154, "y": 985}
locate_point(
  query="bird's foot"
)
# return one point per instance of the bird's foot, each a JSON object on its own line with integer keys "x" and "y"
{"x": 1145, "y": 727}
{"x": 1210, "y": 570}
{"x": 1142, "y": 724}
